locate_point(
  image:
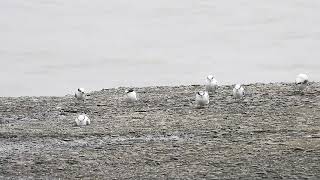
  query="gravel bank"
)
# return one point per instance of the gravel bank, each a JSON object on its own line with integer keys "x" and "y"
{"x": 273, "y": 132}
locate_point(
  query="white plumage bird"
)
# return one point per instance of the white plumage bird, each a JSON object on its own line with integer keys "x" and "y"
{"x": 80, "y": 94}
{"x": 211, "y": 83}
{"x": 131, "y": 96}
{"x": 82, "y": 120}
{"x": 238, "y": 91}
{"x": 302, "y": 81}
{"x": 202, "y": 98}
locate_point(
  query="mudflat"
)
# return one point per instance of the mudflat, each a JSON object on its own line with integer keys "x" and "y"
{"x": 274, "y": 132}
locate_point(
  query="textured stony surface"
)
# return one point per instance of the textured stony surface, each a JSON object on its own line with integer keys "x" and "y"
{"x": 274, "y": 132}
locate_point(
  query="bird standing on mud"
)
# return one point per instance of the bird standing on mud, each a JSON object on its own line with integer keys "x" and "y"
{"x": 80, "y": 94}
{"x": 302, "y": 82}
{"x": 131, "y": 96}
{"x": 202, "y": 98}
{"x": 211, "y": 83}
{"x": 82, "y": 120}
{"x": 238, "y": 91}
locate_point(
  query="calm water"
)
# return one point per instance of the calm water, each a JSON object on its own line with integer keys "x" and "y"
{"x": 51, "y": 47}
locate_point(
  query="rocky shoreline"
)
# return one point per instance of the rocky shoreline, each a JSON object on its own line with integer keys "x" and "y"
{"x": 274, "y": 132}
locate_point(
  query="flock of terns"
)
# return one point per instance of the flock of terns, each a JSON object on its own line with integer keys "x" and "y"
{"x": 202, "y": 97}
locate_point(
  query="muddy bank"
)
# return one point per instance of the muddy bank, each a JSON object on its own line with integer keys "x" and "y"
{"x": 273, "y": 132}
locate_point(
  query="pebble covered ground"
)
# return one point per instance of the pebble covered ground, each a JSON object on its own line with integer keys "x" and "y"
{"x": 274, "y": 132}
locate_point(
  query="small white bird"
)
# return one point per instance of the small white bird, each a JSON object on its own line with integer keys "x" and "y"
{"x": 80, "y": 94}
{"x": 131, "y": 96}
{"x": 238, "y": 91}
{"x": 302, "y": 81}
{"x": 202, "y": 98}
{"x": 211, "y": 83}
{"x": 82, "y": 120}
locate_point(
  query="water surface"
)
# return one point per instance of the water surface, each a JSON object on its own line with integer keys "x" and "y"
{"x": 51, "y": 47}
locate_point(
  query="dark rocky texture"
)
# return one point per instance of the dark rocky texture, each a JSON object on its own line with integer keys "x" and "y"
{"x": 274, "y": 132}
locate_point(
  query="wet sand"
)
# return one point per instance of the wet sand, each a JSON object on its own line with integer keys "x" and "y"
{"x": 274, "y": 132}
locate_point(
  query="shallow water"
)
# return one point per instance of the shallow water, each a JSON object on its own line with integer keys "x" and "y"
{"x": 51, "y": 47}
